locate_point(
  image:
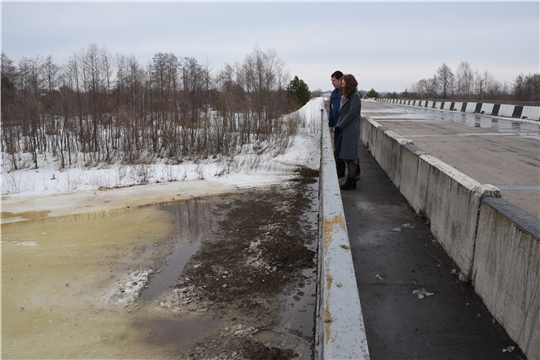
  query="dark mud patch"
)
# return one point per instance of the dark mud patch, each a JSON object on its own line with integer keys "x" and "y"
{"x": 247, "y": 267}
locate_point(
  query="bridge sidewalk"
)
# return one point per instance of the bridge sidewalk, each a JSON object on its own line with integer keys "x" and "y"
{"x": 394, "y": 255}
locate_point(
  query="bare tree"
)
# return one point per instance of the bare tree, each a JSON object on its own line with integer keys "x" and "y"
{"x": 464, "y": 80}
{"x": 9, "y": 91}
{"x": 479, "y": 85}
{"x": 425, "y": 88}
{"x": 30, "y": 85}
{"x": 194, "y": 79}
{"x": 263, "y": 78}
{"x": 10, "y": 129}
{"x": 527, "y": 88}
{"x": 98, "y": 109}
{"x": 445, "y": 81}
{"x": 50, "y": 72}
{"x": 492, "y": 87}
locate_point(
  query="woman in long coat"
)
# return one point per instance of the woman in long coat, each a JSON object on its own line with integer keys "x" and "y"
{"x": 349, "y": 124}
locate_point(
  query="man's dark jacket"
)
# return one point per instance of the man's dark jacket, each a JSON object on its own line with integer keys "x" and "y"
{"x": 333, "y": 114}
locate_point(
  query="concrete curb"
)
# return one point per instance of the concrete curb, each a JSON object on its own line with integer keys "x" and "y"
{"x": 476, "y": 107}
{"x": 340, "y": 331}
{"x": 491, "y": 240}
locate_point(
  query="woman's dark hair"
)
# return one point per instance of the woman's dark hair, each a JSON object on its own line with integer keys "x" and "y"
{"x": 337, "y": 74}
{"x": 350, "y": 85}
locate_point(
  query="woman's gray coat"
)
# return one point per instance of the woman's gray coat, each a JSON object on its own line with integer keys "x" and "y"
{"x": 349, "y": 123}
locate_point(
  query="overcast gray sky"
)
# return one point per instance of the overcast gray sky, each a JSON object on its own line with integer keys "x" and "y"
{"x": 387, "y": 45}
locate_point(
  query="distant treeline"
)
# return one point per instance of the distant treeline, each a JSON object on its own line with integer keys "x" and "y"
{"x": 113, "y": 108}
{"x": 468, "y": 84}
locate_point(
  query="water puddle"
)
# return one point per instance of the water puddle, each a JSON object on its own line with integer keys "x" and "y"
{"x": 192, "y": 220}
{"x": 59, "y": 276}
{"x": 174, "y": 332}
{"x": 299, "y": 305}
{"x": 363, "y": 205}
{"x": 271, "y": 338}
{"x": 299, "y": 312}
{"x": 508, "y": 126}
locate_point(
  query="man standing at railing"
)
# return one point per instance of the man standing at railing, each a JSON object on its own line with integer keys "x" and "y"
{"x": 333, "y": 117}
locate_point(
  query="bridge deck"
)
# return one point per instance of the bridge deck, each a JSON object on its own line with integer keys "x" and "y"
{"x": 501, "y": 152}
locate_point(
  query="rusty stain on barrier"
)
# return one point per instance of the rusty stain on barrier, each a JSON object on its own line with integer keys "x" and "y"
{"x": 329, "y": 280}
{"x": 327, "y": 315}
{"x": 327, "y": 322}
{"x": 329, "y": 227}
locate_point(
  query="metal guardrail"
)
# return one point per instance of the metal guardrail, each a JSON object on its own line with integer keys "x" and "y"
{"x": 340, "y": 331}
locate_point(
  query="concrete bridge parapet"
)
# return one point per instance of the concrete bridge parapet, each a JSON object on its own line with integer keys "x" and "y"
{"x": 340, "y": 331}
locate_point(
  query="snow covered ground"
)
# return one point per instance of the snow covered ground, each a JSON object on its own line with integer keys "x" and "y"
{"x": 93, "y": 189}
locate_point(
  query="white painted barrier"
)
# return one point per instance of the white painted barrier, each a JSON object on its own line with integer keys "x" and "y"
{"x": 506, "y": 110}
{"x": 503, "y": 110}
{"x": 531, "y": 112}
{"x": 487, "y": 109}
{"x": 471, "y": 107}
{"x": 340, "y": 331}
{"x": 500, "y": 252}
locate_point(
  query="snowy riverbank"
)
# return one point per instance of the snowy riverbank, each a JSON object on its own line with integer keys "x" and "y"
{"x": 94, "y": 189}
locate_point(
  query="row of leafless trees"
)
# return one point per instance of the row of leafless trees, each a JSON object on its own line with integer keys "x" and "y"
{"x": 109, "y": 108}
{"x": 466, "y": 83}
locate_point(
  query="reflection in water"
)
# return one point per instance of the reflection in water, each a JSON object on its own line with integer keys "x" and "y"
{"x": 192, "y": 220}
{"x": 174, "y": 332}
{"x": 476, "y": 121}
{"x": 28, "y": 215}
{"x": 275, "y": 339}
{"x": 489, "y": 122}
{"x": 298, "y": 316}
{"x": 469, "y": 119}
{"x": 43, "y": 215}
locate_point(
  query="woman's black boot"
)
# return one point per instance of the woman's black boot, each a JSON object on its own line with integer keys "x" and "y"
{"x": 349, "y": 185}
